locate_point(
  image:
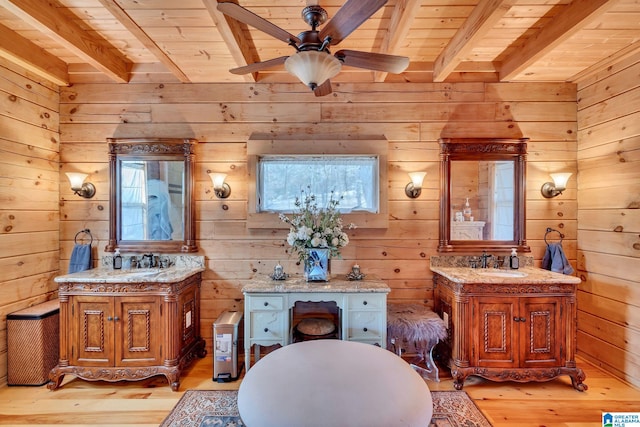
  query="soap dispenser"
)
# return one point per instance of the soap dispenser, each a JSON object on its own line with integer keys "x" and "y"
{"x": 514, "y": 262}
{"x": 117, "y": 260}
{"x": 466, "y": 211}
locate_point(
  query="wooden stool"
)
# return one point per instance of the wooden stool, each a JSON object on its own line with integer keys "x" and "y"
{"x": 314, "y": 328}
{"x": 417, "y": 324}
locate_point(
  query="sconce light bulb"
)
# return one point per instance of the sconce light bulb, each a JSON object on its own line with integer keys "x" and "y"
{"x": 220, "y": 187}
{"x": 414, "y": 188}
{"x": 555, "y": 188}
{"x": 79, "y": 187}
{"x": 76, "y": 179}
{"x": 561, "y": 179}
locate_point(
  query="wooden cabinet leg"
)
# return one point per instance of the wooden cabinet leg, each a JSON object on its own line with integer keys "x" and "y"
{"x": 55, "y": 378}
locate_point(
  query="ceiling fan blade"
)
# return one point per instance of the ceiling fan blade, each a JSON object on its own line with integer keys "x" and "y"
{"x": 258, "y": 66}
{"x": 349, "y": 17}
{"x": 373, "y": 61}
{"x": 323, "y": 89}
{"x": 244, "y": 15}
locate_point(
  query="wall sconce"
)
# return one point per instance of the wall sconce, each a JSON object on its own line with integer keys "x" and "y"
{"x": 220, "y": 187}
{"x": 79, "y": 187}
{"x": 414, "y": 188}
{"x": 555, "y": 188}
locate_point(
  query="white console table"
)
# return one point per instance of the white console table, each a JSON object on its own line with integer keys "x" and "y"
{"x": 268, "y": 308}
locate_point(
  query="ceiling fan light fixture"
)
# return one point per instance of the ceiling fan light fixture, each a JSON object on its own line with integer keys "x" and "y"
{"x": 313, "y": 67}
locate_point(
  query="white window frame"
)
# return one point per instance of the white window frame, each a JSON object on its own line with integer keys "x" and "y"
{"x": 369, "y": 147}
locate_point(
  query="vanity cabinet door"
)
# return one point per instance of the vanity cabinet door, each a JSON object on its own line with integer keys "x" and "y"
{"x": 495, "y": 344}
{"x": 115, "y": 331}
{"x": 138, "y": 332}
{"x": 92, "y": 333}
{"x": 518, "y": 332}
{"x": 188, "y": 318}
{"x": 542, "y": 335}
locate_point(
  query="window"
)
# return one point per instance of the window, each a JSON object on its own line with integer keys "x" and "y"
{"x": 354, "y": 170}
{"x": 352, "y": 179}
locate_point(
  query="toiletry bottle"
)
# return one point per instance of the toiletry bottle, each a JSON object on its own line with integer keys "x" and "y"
{"x": 466, "y": 212}
{"x": 117, "y": 260}
{"x": 514, "y": 262}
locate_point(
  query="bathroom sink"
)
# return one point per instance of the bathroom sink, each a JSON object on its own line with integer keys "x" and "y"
{"x": 142, "y": 273}
{"x": 506, "y": 274}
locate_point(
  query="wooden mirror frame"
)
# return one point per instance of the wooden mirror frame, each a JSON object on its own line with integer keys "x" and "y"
{"x": 452, "y": 149}
{"x": 180, "y": 149}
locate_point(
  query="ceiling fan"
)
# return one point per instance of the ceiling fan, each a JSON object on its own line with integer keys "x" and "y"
{"x": 312, "y": 62}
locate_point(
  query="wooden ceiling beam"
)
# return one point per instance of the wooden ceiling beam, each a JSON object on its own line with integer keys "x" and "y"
{"x": 576, "y": 16}
{"x": 619, "y": 56}
{"x": 123, "y": 17}
{"x": 481, "y": 20}
{"x": 47, "y": 17}
{"x": 403, "y": 16}
{"x": 242, "y": 50}
{"x": 32, "y": 57}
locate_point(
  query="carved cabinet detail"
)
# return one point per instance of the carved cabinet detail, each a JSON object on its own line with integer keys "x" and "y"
{"x": 128, "y": 331}
{"x": 507, "y": 332}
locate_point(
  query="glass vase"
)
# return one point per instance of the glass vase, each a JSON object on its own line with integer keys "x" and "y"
{"x": 316, "y": 266}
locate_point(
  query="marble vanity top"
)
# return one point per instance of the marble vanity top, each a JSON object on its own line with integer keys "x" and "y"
{"x": 299, "y": 284}
{"x": 531, "y": 275}
{"x": 141, "y": 275}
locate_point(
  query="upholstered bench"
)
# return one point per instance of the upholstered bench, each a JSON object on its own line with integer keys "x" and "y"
{"x": 323, "y": 383}
{"x": 416, "y": 324}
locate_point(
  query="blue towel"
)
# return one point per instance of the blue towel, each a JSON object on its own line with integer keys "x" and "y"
{"x": 80, "y": 258}
{"x": 555, "y": 260}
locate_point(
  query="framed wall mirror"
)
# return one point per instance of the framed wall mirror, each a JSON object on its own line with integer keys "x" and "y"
{"x": 152, "y": 204}
{"x": 482, "y": 195}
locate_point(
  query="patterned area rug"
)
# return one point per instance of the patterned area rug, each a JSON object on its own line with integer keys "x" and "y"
{"x": 205, "y": 408}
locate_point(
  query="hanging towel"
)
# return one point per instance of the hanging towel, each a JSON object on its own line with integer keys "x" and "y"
{"x": 555, "y": 260}
{"x": 159, "y": 222}
{"x": 80, "y": 258}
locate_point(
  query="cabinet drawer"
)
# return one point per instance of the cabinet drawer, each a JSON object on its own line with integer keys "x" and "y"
{"x": 260, "y": 303}
{"x": 367, "y": 302}
{"x": 365, "y": 325}
{"x": 267, "y": 325}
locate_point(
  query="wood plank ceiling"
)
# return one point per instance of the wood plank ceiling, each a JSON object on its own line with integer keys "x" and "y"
{"x": 74, "y": 41}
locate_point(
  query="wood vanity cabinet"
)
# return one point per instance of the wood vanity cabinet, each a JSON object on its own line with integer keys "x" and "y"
{"x": 509, "y": 332}
{"x": 128, "y": 331}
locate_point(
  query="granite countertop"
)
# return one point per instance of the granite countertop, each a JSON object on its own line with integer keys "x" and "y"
{"x": 531, "y": 275}
{"x": 299, "y": 284}
{"x": 141, "y": 275}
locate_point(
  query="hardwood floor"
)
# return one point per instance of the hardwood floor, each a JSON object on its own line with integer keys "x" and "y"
{"x": 148, "y": 402}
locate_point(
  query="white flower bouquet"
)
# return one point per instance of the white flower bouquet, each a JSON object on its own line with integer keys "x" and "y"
{"x": 315, "y": 227}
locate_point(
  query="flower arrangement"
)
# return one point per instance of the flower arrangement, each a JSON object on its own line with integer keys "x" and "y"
{"x": 315, "y": 227}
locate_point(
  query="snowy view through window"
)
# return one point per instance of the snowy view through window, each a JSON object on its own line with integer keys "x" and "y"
{"x": 353, "y": 179}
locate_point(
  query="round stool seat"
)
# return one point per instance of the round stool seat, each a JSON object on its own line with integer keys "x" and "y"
{"x": 316, "y": 326}
{"x": 333, "y": 383}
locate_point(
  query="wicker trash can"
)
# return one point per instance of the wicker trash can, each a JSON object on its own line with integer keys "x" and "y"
{"x": 32, "y": 343}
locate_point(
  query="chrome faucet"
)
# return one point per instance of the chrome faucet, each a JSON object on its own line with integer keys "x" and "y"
{"x": 485, "y": 259}
{"x": 147, "y": 264}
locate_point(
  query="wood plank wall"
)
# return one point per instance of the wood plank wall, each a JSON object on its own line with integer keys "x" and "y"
{"x": 609, "y": 219}
{"x": 29, "y": 194}
{"x": 411, "y": 116}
